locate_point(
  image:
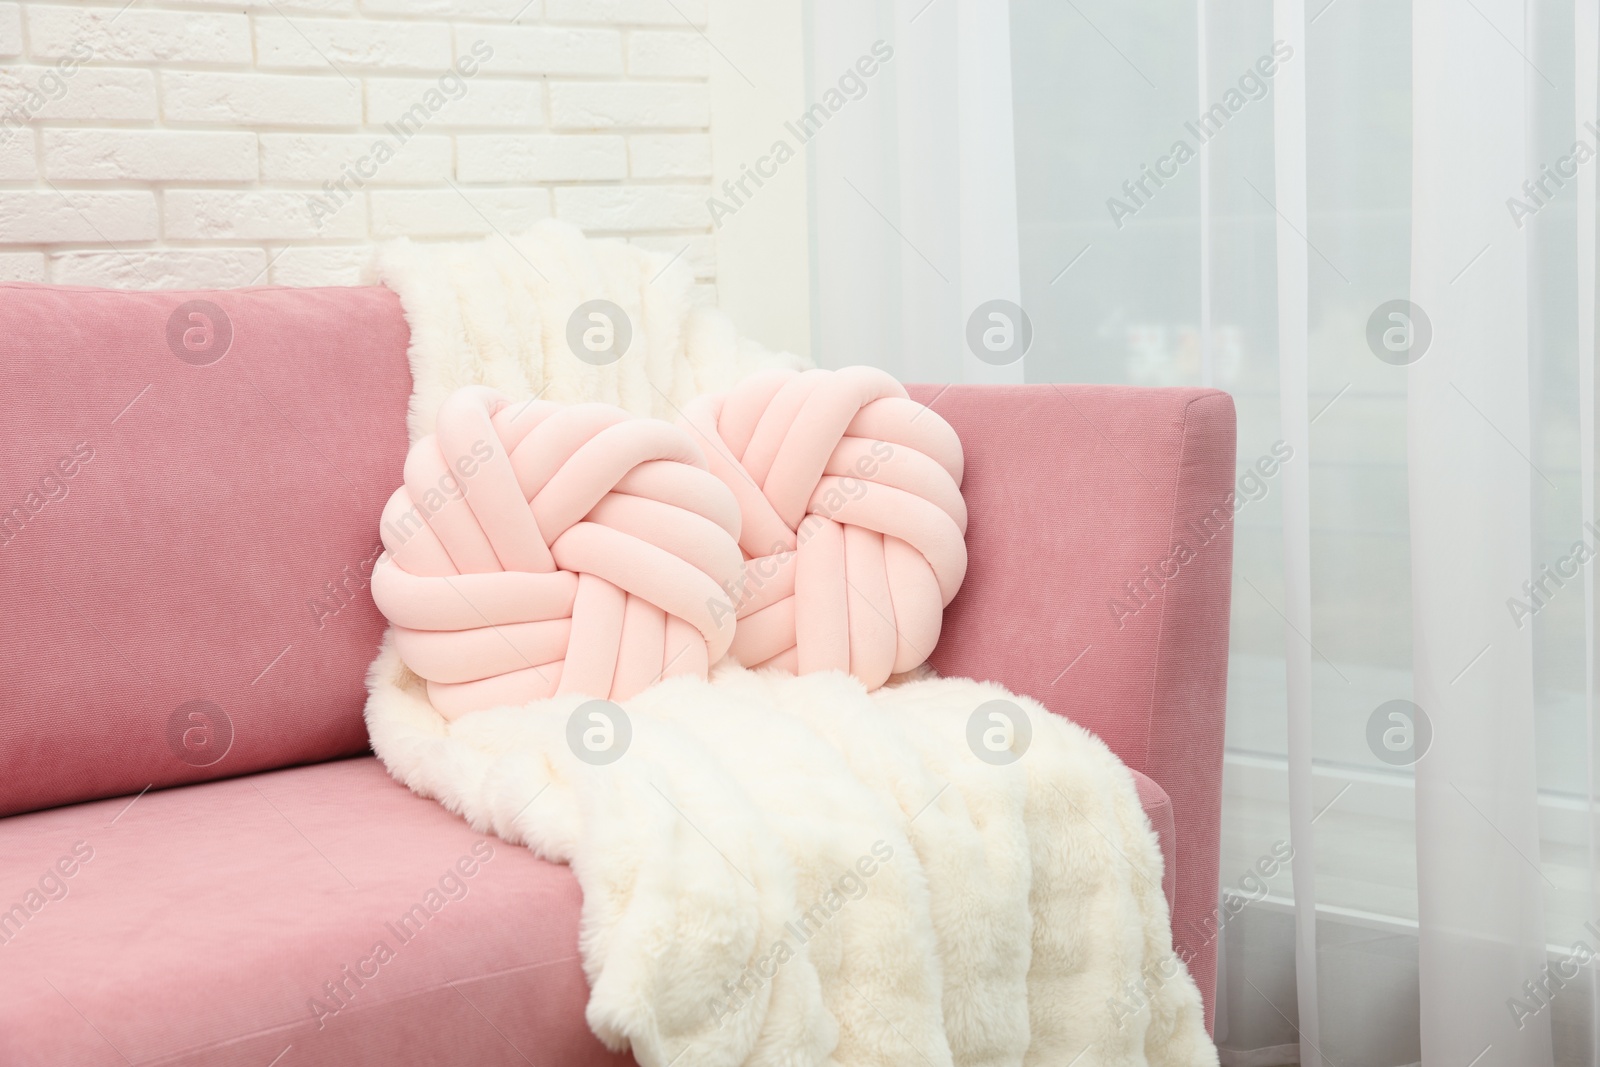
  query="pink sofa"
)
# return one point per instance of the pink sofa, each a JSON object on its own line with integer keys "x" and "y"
{"x": 198, "y": 859}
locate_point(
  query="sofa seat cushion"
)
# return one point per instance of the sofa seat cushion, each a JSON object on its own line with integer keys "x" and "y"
{"x": 203, "y": 925}
{"x": 226, "y": 922}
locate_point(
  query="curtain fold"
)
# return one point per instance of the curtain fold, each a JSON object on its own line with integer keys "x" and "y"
{"x": 1586, "y": 117}
{"x": 1376, "y": 228}
{"x": 1471, "y": 493}
{"x": 1294, "y": 291}
{"x": 913, "y": 192}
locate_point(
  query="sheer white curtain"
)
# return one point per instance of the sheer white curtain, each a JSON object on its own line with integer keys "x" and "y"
{"x": 920, "y": 152}
{"x": 1381, "y": 241}
{"x": 1469, "y": 423}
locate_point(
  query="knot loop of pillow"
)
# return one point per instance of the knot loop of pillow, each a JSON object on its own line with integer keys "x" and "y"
{"x": 853, "y": 523}
{"x": 538, "y": 548}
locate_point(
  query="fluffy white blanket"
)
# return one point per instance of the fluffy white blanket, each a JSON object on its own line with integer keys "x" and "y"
{"x": 496, "y": 313}
{"x": 778, "y": 870}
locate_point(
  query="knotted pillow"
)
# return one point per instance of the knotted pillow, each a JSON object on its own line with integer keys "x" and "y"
{"x": 852, "y": 521}
{"x": 539, "y": 548}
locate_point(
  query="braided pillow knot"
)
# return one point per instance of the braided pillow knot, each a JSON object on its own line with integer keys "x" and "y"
{"x": 540, "y": 548}
{"x": 853, "y": 523}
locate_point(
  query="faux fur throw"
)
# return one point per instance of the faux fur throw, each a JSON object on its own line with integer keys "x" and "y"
{"x": 782, "y": 870}
{"x": 498, "y": 313}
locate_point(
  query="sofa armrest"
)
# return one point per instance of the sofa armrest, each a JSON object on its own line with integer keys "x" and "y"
{"x": 1099, "y": 577}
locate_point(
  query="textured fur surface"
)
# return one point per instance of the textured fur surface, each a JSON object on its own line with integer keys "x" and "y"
{"x": 496, "y": 313}
{"x": 780, "y": 870}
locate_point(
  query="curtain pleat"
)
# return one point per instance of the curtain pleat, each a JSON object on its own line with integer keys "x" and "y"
{"x": 1471, "y": 502}
{"x": 1586, "y": 116}
{"x": 1294, "y": 402}
{"x": 987, "y": 263}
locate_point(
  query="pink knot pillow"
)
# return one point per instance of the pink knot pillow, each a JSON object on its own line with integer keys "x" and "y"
{"x": 852, "y": 521}
{"x": 537, "y": 548}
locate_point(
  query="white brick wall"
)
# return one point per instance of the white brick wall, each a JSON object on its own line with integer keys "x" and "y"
{"x": 188, "y": 143}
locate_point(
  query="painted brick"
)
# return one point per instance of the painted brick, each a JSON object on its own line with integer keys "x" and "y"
{"x": 668, "y": 54}
{"x": 445, "y": 212}
{"x": 488, "y": 10}
{"x": 314, "y": 7}
{"x": 260, "y": 99}
{"x": 484, "y": 103}
{"x": 669, "y": 155}
{"x": 10, "y": 30}
{"x": 38, "y": 216}
{"x": 19, "y": 160}
{"x": 314, "y": 87}
{"x": 642, "y": 12}
{"x": 648, "y": 207}
{"x": 149, "y": 155}
{"x": 22, "y": 266}
{"x": 259, "y": 214}
{"x": 162, "y": 268}
{"x": 45, "y": 93}
{"x": 607, "y": 105}
{"x": 547, "y": 49}
{"x": 135, "y": 35}
{"x": 320, "y": 157}
{"x": 540, "y": 158}
{"x": 316, "y": 44}
{"x": 322, "y": 265}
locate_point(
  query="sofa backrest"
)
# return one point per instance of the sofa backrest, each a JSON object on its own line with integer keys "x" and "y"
{"x": 190, "y": 485}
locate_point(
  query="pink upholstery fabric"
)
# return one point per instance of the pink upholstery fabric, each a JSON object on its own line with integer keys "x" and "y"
{"x": 537, "y": 549}
{"x": 190, "y": 486}
{"x": 853, "y": 519}
{"x": 1078, "y": 496}
{"x": 207, "y": 919}
{"x": 1158, "y": 806}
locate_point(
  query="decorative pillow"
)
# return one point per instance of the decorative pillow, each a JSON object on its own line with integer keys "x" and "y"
{"x": 538, "y": 548}
{"x": 852, "y": 519}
